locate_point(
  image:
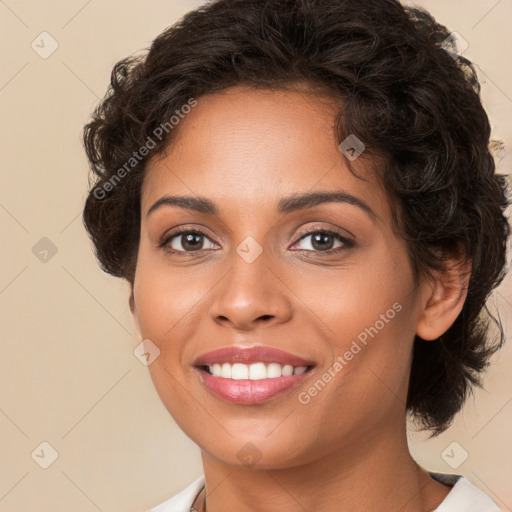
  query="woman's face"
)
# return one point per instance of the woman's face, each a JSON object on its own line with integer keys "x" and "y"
{"x": 344, "y": 301}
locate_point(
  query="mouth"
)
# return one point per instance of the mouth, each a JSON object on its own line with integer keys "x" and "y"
{"x": 251, "y": 375}
{"x": 255, "y": 371}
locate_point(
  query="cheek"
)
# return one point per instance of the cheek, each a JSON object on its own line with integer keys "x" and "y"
{"x": 162, "y": 307}
{"x": 367, "y": 314}
{"x": 167, "y": 298}
{"x": 371, "y": 296}
{"x": 165, "y": 305}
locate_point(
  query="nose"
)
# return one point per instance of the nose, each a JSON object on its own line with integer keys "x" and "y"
{"x": 251, "y": 295}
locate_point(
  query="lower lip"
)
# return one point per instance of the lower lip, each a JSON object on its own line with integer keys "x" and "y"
{"x": 247, "y": 391}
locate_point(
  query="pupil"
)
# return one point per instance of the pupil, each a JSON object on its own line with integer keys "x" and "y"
{"x": 189, "y": 241}
{"x": 319, "y": 241}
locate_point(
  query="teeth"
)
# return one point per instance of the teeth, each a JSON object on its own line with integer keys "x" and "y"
{"x": 287, "y": 370}
{"x": 226, "y": 371}
{"x": 255, "y": 371}
{"x": 274, "y": 370}
{"x": 239, "y": 371}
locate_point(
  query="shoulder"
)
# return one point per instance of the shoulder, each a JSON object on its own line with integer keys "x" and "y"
{"x": 181, "y": 502}
{"x": 464, "y": 496}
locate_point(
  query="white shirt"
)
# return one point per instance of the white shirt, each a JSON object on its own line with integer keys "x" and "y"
{"x": 464, "y": 497}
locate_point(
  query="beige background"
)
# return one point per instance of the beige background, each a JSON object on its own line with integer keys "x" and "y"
{"x": 68, "y": 374}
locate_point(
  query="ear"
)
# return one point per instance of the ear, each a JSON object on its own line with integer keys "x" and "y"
{"x": 133, "y": 309}
{"x": 443, "y": 297}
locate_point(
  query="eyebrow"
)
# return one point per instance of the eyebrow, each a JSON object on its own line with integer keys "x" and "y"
{"x": 285, "y": 205}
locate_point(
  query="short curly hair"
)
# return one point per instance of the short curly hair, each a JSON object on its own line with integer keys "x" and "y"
{"x": 406, "y": 93}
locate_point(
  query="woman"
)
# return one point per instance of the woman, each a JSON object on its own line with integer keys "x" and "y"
{"x": 302, "y": 198}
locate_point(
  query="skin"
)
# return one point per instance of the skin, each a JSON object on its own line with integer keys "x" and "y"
{"x": 244, "y": 149}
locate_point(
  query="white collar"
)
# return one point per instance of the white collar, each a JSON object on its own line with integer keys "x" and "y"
{"x": 464, "y": 497}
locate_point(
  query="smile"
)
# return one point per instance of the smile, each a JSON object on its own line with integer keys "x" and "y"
{"x": 251, "y": 375}
{"x": 255, "y": 371}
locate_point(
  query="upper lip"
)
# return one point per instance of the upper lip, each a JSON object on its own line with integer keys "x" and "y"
{"x": 249, "y": 355}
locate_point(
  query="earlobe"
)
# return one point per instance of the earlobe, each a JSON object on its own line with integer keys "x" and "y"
{"x": 131, "y": 302}
{"x": 443, "y": 298}
{"x": 133, "y": 309}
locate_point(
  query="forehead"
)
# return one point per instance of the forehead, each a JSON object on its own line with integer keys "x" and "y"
{"x": 249, "y": 147}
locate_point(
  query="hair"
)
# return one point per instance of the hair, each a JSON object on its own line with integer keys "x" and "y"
{"x": 406, "y": 94}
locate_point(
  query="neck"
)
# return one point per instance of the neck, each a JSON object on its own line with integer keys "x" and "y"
{"x": 364, "y": 474}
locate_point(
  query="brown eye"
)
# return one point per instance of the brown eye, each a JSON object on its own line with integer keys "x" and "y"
{"x": 187, "y": 241}
{"x": 324, "y": 241}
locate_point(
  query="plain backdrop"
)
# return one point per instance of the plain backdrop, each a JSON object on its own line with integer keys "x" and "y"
{"x": 68, "y": 374}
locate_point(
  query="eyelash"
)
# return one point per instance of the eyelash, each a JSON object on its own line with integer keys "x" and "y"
{"x": 347, "y": 243}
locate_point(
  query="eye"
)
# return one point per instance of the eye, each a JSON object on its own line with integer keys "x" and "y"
{"x": 183, "y": 240}
{"x": 187, "y": 240}
{"x": 324, "y": 240}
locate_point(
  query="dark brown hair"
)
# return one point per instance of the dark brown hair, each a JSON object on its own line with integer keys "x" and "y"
{"x": 406, "y": 94}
